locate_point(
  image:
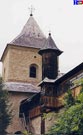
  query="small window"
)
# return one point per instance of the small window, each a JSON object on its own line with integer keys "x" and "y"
{"x": 33, "y": 71}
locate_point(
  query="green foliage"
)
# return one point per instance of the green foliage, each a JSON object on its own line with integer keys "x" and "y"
{"x": 48, "y": 115}
{"x": 25, "y": 132}
{"x": 5, "y": 114}
{"x": 69, "y": 100}
{"x": 71, "y": 120}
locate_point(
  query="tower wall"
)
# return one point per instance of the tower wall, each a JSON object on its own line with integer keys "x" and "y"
{"x": 15, "y": 99}
{"x": 49, "y": 65}
{"x": 17, "y": 64}
{"x": 5, "y": 65}
{"x": 36, "y": 124}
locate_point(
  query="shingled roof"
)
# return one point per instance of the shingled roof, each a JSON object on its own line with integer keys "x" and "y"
{"x": 30, "y": 36}
{"x": 21, "y": 87}
{"x": 50, "y": 45}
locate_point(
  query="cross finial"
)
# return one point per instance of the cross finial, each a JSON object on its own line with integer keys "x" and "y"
{"x": 31, "y": 10}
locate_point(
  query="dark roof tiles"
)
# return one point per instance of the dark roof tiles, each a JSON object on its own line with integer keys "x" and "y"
{"x": 30, "y": 36}
{"x": 28, "y": 42}
{"x": 50, "y": 45}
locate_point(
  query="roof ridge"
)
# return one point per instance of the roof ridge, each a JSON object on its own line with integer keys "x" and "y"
{"x": 50, "y": 45}
{"x": 30, "y": 29}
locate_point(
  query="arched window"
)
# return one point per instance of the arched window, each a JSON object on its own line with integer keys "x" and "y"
{"x": 33, "y": 71}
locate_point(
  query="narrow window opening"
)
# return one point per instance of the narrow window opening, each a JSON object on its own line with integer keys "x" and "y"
{"x": 33, "y": 71}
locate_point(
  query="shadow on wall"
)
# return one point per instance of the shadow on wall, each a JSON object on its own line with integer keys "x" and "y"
{"x": 18, "y": 133}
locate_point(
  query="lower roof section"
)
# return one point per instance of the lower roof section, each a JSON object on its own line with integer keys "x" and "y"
{"x": 21, "y": 87}
{"x": 60, "y": 79}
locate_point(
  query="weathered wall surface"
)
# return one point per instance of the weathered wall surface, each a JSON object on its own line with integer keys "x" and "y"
{"x": 5, "y": 66}
{"x": 49, "y": 121}
{"x": 15, "y": 99}
{"x": 16, "y": 63}
{"x": 76, "y": 91}
{"x": 19, "y": 62}
{"x": 36, "y": 123}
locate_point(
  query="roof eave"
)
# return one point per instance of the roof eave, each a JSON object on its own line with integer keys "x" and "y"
{"x": 58, "y": 52}
{"x": 34, "y": 92}
{"x": 70, "y": 73}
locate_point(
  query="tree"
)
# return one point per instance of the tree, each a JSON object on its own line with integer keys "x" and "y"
{"x": 71, "y": 121}
{"x": 69, "y": 100}
{"x": 5, "y": 112}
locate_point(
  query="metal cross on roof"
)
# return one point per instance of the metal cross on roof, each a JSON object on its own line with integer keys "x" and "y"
{"x": 31, "y": 9}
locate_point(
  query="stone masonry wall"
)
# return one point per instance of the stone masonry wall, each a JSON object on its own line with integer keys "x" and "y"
{"x": 19, "y": 61}
{"x": 5, "y": 66}
{"x": 15, "y": 100}
{"x": 36, "y": 124}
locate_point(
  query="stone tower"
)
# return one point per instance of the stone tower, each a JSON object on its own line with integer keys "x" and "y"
{"x": 22, "y": 67}
{"x": 21, "y": 62}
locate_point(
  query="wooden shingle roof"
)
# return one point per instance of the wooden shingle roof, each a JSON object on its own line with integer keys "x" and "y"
{"x": 30, "y": 36}
{"x": 50, "y": 45}
{"x": 21, "y": 87}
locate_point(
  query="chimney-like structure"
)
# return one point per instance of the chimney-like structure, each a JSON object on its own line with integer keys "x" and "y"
{"x": 50, "y": 54}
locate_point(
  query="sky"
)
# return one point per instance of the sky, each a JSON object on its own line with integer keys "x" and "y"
{"x": 61, "y": 17}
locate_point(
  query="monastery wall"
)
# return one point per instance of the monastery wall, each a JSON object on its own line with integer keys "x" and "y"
{"x": 5, "y": 66}
{"x": 19, "y": 62}
{"x": 36, "y": 125}
{"x": 49, "y": 121}
{"x": 15, "y": 100}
